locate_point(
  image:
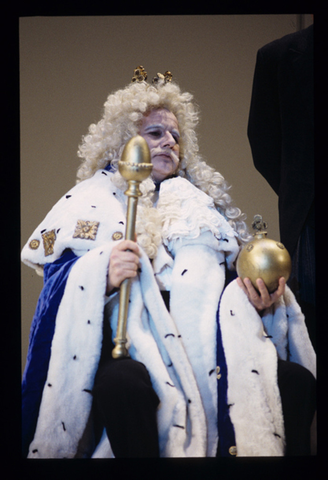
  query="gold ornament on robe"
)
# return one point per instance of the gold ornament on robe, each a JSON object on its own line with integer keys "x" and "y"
{"x": 86, "y": 229}
{"x": 49, "y": 239}
{"x": 34, "y": 244}
{"x": 263, "y": 258}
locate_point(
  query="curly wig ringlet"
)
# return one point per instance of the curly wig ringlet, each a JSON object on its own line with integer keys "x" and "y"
{"x": 123, "y": 113}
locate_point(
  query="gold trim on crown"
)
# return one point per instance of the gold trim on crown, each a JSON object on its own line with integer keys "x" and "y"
{"x": 140, "y": 75}
{"x": 160, "y": 78}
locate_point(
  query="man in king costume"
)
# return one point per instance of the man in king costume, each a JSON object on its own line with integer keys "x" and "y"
{"x": 215, "y": 367}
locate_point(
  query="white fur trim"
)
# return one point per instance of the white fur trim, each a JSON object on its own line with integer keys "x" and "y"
{"x": 75, "y": 352}
{"x": 285, "y": 323}
{"x": 154, "y": 341}
{"x": 197, "y": 283}
{"x": 300, "y": 347}
{"x": 253, "y": 392}
{"x": 94, "y": 199}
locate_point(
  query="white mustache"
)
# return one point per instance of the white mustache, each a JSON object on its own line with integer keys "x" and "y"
{"x": 165, "y": 151}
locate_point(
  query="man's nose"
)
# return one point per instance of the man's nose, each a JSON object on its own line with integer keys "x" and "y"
{"x": 169, "y": 140}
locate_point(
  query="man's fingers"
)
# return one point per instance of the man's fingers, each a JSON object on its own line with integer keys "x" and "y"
{"x": 261, "y": 299}
{"x": 128, "y": 245}
{"x": 280, "y": 290}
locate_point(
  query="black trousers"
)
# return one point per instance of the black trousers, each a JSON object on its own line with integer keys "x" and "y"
{"x": 127, "y": 404}
{"x": 298, "y": 397}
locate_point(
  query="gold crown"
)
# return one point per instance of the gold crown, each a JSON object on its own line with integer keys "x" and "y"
{"x": 140, "y": 75}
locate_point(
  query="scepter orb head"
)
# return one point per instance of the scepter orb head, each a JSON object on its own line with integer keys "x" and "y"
{"x": 264, "y": 258}
{"x": 135, "y": 163}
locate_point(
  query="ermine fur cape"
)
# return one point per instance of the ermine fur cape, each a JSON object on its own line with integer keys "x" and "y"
{"x": 178, "y": 348}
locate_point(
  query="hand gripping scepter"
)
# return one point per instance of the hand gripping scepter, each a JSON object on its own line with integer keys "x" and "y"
{"x": 134, "y": 166}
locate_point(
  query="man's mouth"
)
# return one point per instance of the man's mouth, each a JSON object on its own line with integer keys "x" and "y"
{"x": 163, "y": 153}
{"x": 166, "y": 155}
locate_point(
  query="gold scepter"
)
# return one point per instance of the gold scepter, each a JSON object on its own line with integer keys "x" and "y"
{"x": 134, "y": 166}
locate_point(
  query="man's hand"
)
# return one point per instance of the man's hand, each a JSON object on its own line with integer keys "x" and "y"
{"x": 123, "y": 263}
{"x": 263, "y": 299}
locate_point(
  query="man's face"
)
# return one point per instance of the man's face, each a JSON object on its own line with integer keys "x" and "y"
{"x": 161, "y": 131}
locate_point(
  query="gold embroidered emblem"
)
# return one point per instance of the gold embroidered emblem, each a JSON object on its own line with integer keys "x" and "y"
{"x": 117, "y": 236}
{"x": 34, "y": 244}
{"x": 86, "y": 230}
{"x": 49, "y": 239}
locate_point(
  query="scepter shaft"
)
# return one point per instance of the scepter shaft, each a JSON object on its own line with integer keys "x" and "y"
{"x": 135, "y": 167}
{"x": 120, "y": 340}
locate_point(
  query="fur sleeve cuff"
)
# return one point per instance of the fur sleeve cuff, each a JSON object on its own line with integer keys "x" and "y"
{"x": 284, "y": 323}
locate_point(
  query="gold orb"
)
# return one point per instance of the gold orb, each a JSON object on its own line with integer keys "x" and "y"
{"x": 264, "y": 258}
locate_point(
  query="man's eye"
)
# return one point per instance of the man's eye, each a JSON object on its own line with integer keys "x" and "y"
{"x": 155, "y": 133}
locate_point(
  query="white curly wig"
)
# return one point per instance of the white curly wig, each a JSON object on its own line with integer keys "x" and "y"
{"x": 123, "y": 113}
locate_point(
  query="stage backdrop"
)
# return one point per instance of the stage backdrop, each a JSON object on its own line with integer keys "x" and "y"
{"x": 69, "y": 65}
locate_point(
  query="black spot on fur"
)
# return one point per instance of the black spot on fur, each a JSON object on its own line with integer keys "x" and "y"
{"x": 114, "y": 193}
{"x": 225, "y": 239}
{"x": 68, "y": 196}
{"x": 49, "y": 385}
{"x": 268, "y": 336}
{"x": 122, "y": 223}
{"x": 276, "y": 435}
{"x": 35, "y": 450}
{"x": 104, "y": 173}
{"x": 189, "y": 401}
{"x": 86, "y": 390}
{"x": 255, "y": 371}
{"x": 101, "y": 253}
{"x": 230, "y": 405}
{"x": 44, "y": 230}
{"x": 64, "y": 428}
{"x": 169, "y": 335}
{"x": 232, "y": 313}
{"x": 74, "y": 358}
{"x": 93, "y": 206}
{"x": 58, "y": 230}
{"x": 81, "y": 287}
{"x": 170, "y": 364}
{"x": 170, "y": 384}
{"x": 211, "y": 371}
{"x": 179, "y": 426}
{"x": 179, "y": 336}
{"x": 88, "y": 322}
{"x": 184, "y": 271}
